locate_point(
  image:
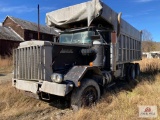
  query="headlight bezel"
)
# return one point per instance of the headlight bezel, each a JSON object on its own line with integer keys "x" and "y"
{"x": 57, "y": 78}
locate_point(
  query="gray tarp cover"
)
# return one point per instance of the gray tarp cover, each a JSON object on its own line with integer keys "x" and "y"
{"x": 88, "y": 11}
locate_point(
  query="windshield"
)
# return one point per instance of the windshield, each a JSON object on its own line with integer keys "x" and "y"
{"x": 78, "y": 37}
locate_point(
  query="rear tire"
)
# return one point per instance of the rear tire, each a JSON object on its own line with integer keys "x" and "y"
{"x": 85, "y": 95}
{"x": 137, "y": 69}
{"x": 131, "y": 75}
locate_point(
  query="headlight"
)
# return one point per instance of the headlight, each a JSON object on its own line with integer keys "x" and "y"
{"x": 58, "y": 78}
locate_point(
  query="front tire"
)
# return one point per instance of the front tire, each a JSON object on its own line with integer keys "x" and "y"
{"x": 85, "y": 95}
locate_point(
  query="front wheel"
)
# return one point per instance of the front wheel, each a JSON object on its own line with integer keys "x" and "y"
{"x": 85, "y": 95}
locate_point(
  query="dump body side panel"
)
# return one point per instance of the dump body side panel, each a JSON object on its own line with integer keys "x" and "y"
{"x": 126, "y": 29}
{"x": 128, "y": 49}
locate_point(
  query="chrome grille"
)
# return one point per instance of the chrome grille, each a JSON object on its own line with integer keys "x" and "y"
{"x": 28, "y": 63}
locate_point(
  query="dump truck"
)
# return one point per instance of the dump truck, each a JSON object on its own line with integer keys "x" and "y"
{"x": 96, "y": 48}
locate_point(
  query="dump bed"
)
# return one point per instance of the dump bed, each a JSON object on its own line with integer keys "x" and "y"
{"x": 89, "y": 11}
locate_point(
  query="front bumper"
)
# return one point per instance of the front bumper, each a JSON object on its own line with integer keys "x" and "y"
{"x": 45, "y": 86}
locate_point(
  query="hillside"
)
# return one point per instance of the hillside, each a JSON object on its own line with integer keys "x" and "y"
{"x": 148, "y": 46}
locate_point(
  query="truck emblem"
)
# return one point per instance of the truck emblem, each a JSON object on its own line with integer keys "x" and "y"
{"x": 66, "y": 51}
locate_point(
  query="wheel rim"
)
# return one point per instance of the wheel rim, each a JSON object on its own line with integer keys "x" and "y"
{"x": 133, "y": 74}
{"x": 138, "y": 71}
{"x": 89, "y": 96}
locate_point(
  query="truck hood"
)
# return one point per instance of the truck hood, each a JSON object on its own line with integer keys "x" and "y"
{"x": 64, "y": 56}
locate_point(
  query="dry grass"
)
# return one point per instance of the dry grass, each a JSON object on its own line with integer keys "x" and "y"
{"x": 150, "y": 65}
{"x": 14, "y": 104}
{"x": 120, "y": 105}
{"x": 6, "y": 64}
{"x": 123, "y": 105}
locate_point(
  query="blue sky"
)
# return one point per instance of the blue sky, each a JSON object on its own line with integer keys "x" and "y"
{"x": 142, "y": 14}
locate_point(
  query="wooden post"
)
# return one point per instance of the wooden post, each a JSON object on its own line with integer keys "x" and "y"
{"x": 38, "y": 24}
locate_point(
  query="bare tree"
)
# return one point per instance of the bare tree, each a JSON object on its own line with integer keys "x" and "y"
{"x": 147, "y": 43}
{"x": 146, "y": 36}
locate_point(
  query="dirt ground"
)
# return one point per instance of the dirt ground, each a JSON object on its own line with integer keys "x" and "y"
{"x": 15, "y": 105}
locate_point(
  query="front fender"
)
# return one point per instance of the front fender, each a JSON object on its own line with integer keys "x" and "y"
{"x": 76, "y": 73}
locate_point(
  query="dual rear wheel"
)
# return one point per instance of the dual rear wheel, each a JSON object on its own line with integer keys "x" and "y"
{"x": 132, "y": 71}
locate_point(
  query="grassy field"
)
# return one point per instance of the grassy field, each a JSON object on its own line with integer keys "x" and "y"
{"x": 123, "y": 104}
{"x": 120, "y": 104}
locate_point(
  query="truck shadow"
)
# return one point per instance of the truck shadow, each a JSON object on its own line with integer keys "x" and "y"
{"x": 119, "y": 86}
{"x": 2, "y": 74}
{"x": 59, "y": 102}
{"x": 122, "y": 85}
